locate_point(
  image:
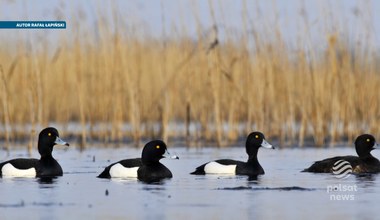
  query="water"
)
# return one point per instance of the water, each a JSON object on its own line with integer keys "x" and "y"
{"x": 282, "y": 193}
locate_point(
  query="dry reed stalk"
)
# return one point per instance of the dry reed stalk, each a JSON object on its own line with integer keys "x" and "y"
{"x": 33, "y": 99}
{"x": 214, "y": 77}
{"x": 80, "y": 86}
{"x": 4, "y": 98}
{"x": 164, "y": 105}
{"x": 214, "y": 72}
{"x": 118, "y": 82}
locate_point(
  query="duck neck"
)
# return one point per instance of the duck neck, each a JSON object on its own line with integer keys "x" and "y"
{"x": 363, "y": 153}
{"x": 46, "y": 156}
{"x": 252, "y": 156}
{"x": 45, "y": 149}
{"x": 365, "y": 156}
{"x": 148, "y": 162}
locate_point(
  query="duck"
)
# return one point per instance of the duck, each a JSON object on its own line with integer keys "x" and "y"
{"x": 252, "y": 167}
{"x": 46, "y": 166}
{"x": 363, "y": 163}
{"x": 147, "y": 168}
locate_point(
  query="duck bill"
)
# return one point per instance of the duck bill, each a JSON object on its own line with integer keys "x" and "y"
{"x": 169, "y": 156}
{"x": 267, "y": 145}
{"x": 59, "y": 141}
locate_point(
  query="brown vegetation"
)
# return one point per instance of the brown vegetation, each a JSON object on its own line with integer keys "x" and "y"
{"x": 126, "y": 85}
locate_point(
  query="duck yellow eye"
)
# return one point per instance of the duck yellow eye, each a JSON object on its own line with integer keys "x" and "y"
{"x": 49, "y": 134}
{"x": 257, "y": 136}
{"x": 158, "y": 146}
{"x": 368, "y": 140}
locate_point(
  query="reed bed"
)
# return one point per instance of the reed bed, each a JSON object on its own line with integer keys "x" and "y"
{"x": 124, "y": 86}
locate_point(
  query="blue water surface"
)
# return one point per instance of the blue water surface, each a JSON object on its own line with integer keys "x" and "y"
{"x": 282, "y": 193}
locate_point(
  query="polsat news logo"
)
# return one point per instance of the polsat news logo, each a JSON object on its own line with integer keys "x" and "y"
{"x": 342, "y": 192}
{"x": 342, "y": 169}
